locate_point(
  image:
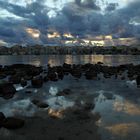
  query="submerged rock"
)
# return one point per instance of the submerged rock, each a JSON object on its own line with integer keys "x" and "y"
{"x": 37, "y": 82}
{"x": 138, "y": 81}
{"x": 2, "y": 118}
{"x": 89, "y": 106}
{"x": 64, "y": 92}
{"x": 39, "y": 103}
{"x": 23, "y": 83}
{"x": 7, "y": 90}
{"x": 13, "y": 123}
{"x": 90, "y": 75}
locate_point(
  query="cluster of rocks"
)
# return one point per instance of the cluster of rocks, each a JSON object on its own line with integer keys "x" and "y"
{"x": 92, "y": 71}
{"x": 10, "y": 122}
{"x": 22, "y": 73}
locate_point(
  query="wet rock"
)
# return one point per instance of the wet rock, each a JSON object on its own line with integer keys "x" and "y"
{"x": 100, "y": 63}
{"x": 89, "y": 106}
{"x": 2, "y": 76}
{"x": 96, "y": 116}
{"x": 64, "y": 92}
{"x": 28, "y": 91}
{"x": 23, "y": 83}
{"x": 15, "y": 79}
{"x": 42, "y": 105}
{"x": 37, "y": 82}
{"x": 52, "y": 76}
{"x": 123, "y": 78}
{"x": 138, "y": 81}
{"x": 7, "y": 90}
{"x": 28, "y": 77}
{"x": 66, "y": 68}
{"x": 39, "y": 103}
{"x": 76, "y": 73}
{"x": 2, "y": 118}
{"x": 90, "y": 75}
{"x": 106, "y": 75}
{"x": 34, "y": 71}
{"x": 60, "y": 75}
{"x": 81, "y": 115}
{"x": 13, "y": 123}
{"x": 59, "y": 70}
{"x": 109, "y": 96}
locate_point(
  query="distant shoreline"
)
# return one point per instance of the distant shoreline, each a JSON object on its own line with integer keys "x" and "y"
{"x": 75, "y": 50}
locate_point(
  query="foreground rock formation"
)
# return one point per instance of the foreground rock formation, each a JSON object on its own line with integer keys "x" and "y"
{"x": 23, "y": 73}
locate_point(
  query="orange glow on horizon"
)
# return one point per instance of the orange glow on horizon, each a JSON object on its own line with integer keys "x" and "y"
{"x": 68, "y": 35}
{"x": 33, "y": 32}
{"x": 54, "y": 35}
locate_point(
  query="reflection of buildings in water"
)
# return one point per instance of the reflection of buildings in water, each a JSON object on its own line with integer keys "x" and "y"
{"x": 124, "y": 129}
{"x": 86, "y": 58}
{"x": 69, "y": 59}
{"x": 55, "y": 60}
{"x": 127, "y": 107}
{"x": 97, "y": 58}
{"x": 36, "y": 63}
{"x": 76, "y": 59}
{"x": 72, "y": 59}
{"x": 91, "y": 58}
{"x": 116, "y": 59}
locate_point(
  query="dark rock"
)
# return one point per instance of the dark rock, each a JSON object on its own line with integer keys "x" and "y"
{"x": 2, "y": 76}
{"x": 66, "y": 68}
{"x": 42, "y": 105}
{"x": 28, "y": 77}
{"x": 89, "y": 106}
{"x": 27, "y": 91}
{"x": 46, "y": 79}
{"x": 90, "y": 75}
{"x": 123, "y": 78}
{"x": 52, "y": 76}
{"x": 35, "y": 101}
{"x": 15, "y": 79}
{"x": 7, "y": 90}
{"x": 39, "y": 103}
{"x": 138, "y": 81}
{"x": 2, "y": 118}
{"x": 76, "y": 73}
{"x": 13, "y": 123}
{"x": 109, "y": 96}
{"x": 64, "y": 92}
{"x": 23, "y": 83}
{"x": 37, "y": 82}
{"x": 81, "y": 115}
{"x": 100, "y": 63}
{"x": 106, "y": 75}
{"x": 61, "y": 75}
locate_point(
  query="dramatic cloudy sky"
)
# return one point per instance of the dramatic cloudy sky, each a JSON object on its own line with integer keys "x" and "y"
{"x": 31, "y": 20}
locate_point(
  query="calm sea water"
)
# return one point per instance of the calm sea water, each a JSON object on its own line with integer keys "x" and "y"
{"x": 117, "y": 101}
{"x": 70, "y": 59}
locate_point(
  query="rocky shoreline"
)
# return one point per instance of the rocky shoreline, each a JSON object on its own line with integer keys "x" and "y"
{"x": 24, "y": 73}
{"x": 27, "y": 75}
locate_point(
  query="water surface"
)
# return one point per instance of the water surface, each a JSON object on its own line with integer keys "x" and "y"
{"x": 117, "y": 101}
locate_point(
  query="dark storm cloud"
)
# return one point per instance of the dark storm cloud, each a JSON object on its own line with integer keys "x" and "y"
{"x": 33, "y": 15}
{"x": 6, "y": 32}
{"x": 77, "y": 20}
{"x": 88, "y": 4}
{"x": 78, "y": 17}
{"x": 111, "y": 6}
